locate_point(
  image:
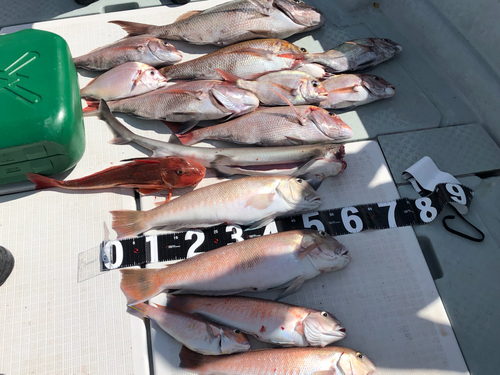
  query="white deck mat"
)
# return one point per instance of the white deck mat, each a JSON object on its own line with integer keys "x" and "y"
{"x": 385, "y": 297}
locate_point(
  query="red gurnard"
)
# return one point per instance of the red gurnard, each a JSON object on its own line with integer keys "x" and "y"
{"x": 148, "y": 175}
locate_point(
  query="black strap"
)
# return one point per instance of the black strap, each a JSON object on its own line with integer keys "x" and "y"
{"x": 466, "y": 236}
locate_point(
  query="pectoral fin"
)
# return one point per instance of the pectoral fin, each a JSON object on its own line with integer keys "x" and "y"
{"x": 187, "y": 15}
{"x": 294, "y": 286}
{"x": 260, "y": 201}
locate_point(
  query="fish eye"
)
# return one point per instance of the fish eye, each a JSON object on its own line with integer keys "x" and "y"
{"x": 325, "y": 314}
{"x": 376, "y": 78}
{"x": 386, "y": 40}
{"x": 297, "y": 1}
{"x": 237, "y": 331}
{"x": 180, "y": 172}
{"x": 331, "y": 113}
{"x": 299, "y": 180}
{"x": 315, "y": 83}
{"x": 359, "y": 355}
{"x": 322, "y": 233}
{"x": 151, "y": 72}
{"x": 303, "y": 49}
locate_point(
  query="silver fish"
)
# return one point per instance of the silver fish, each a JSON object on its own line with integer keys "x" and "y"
{"x": 356, "y": 55}
{"x": 194, "y": 332}
{"x": 276, "y": 126}
{"x": 331, "y": 360}
{"x": 246, "y": 60}
{"x": 282, "y": 88}
{"x": 235, "y": 21}
{"x": 275, "y": 261}
{"x": 252, "y": 200}
{"x": 145, "y": 48}
{"x": 126, "y": 80}
{"x": 352, "y": 90}
{"x": 312, "y": 162}
{"x": 188, "y": 102}
{"x": 268, "y": 321}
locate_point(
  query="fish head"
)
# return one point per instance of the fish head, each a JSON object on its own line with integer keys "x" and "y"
{"x": 233, "y": 341}
{"x": 377, "y": 86}
{"x": 301, "y": 13}
{"x": 368, "y": 52}
{"x": 233, "y": 99}
{"x": 329, "y": 162}
{"x": 312, "y": 90}
{"x": 330, "y": 124}
{"x": 327, "y": 254}
{"x": 182, "y": 173}
{"x": 297, "y": 194}
{"x": 322, "y": 328}
{"x": 164, "y": 51}
{"x": 353, "y": 362}
{"x": 152, "y": 78}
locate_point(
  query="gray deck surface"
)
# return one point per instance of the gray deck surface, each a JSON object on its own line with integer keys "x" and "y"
{"x": 446, "y": 107}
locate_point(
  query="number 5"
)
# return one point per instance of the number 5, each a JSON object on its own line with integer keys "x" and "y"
{"x": 312, "y": 223}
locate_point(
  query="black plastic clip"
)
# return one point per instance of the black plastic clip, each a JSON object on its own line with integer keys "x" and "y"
{"x": 466, "y": 236}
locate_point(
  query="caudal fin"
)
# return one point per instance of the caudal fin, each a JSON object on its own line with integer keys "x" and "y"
{"x": 92, "y": 108}
{"x": 129, "y": 223}
{"x": 134, "y": 28}
{"x": 139, "y": 285}
{"x": 42, "y": 182}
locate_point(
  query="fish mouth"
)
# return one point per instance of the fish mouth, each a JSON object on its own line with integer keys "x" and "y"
{"x": 341, "y": 250}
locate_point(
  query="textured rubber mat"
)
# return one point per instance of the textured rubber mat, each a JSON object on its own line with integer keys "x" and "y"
{"x": 459, "y": 150}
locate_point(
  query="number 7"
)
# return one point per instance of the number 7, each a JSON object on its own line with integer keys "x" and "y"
{"x": 391, "y": 218}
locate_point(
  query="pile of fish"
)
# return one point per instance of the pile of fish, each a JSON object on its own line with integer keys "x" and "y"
{"x": 273, "y": 99}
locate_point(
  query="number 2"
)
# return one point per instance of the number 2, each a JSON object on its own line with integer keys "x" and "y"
{"x": 200, "y": 237}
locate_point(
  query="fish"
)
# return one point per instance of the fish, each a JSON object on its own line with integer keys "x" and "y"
{"x": 146, "y": 49}
{"x": 282, "y": 88}
{"x": 126, "y": 80}
{"x": 276, "y": 261}
{"x": 187, "y": 102}
{"x": 266, "y": 320}
{"x": 235, "y": 21}
{"x": 194, "y": 332}
{"x": 355, "y": 55}
{"x": 253, "y": 200}
{"x": 331, "y": 360}
{"x": 148, "y": 175}
{"x": 353, "y": 90}
{"x": 246, "y": 60}
{"x": 311, "y": 162}
{"x": 276, "y": 126}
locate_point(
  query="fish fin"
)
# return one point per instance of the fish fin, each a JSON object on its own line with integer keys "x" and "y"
{"x": 302, "y": 119}
{"x": 366, "y": 65}
{"x": 140, "y": 284}
{"x": 139, "y": 310}
{"x": 42, "y": 182}
{"x": 260, "y": 201}
{"x": 187, "y": 139}
{"x": 145, "y": 191}
{"x": 187, "y": 15}
{"x": 190, "y": 360}
{"x": 294, "y": 141}
{"x": 346, "y": 89}
{"x": 292, "y": 55}
{"x": 251, "y": 51}
{"x": 194, "y": 94}
{"x": 263, "y": 7}
{"x": 261, "y": 223}
{"x": 261, "y": 33}
{"x": 229, "y": 77}
{"x": 186, "y": 126}
{"x": 304, "y": 251}
{"x": 92, "y": 108}
{"x": 294, "y": 286}
{"x": 227, "y": 103}
{"x": 128, "y": 223}
{"x": 133, "y": 28}
{"x": 327, "y": 372}
{"x": 315, "y": 183}
{"x": 147, "y": 160}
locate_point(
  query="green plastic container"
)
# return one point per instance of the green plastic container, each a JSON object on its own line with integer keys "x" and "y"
{"x": 41, "y": 122}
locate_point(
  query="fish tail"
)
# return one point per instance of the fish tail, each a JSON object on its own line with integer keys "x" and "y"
{"x": 129, "y": 223}
{"x": 92, "y": 108}
{"x": 104, "y": 114}
{"x": 134, "y": 28}
{"x": 139, "y": 285}
{"x": 42, "y": 182}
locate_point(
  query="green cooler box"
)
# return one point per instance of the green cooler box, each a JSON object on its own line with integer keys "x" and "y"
{"x": 41, "y": 123}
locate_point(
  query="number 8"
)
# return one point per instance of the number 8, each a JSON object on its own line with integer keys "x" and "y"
{"x": 425, "y": 207}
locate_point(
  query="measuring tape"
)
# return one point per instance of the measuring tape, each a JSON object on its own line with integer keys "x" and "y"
{"x": 353, "y": 219}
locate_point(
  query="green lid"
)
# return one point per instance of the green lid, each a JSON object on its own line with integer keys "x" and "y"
{"x": 41, "y": 127}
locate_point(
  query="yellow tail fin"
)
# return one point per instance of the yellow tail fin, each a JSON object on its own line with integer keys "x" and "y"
{"x": 129, "y": 223}
{"x": 140, "y": 285}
